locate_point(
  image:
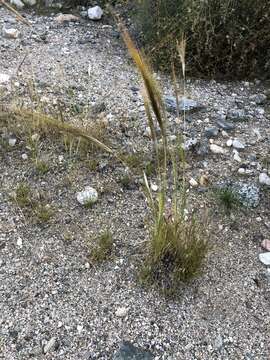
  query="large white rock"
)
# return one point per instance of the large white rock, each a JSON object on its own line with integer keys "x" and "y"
{"x": 95, "y": 13}
{"x": 88, "y": 196}
{"x": 4, "y": 78}
{"x": 216, "y": 149}
{"x": 10, "y": 33}
{"x": 30, "y": 2}
{"x": 18, "y": 3}
{"x": 264, "y": 179}
{"x": 265, "y": 258}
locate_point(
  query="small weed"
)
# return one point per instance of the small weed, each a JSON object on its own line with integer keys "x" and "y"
{"x": 92, "y": 164}
{"x": 43, "y": 212}
{"x": 42, "y": 166}
{"x": 150, "y": 168}
{"x": 89, "y": 204}
{"x": 23, "y": 195}
{"x": 125, "y": 181}
{"x": 103, "y": 247}
{"x": 228, "y": 198}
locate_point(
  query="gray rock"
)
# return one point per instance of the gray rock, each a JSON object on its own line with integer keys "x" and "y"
{"x": 128, "y": 351}
{"x": 237, "y": 144}
{"x": 265, "y": 258}
{"x": 249, "y": 194}
{"x": 236, "y": 115}
{"x": 211, "y": 132}
{"x": 95, "y": 13}
{"x": 50, "y": 346}
{"x": 17, "y": 3}
{"x": 185, "y": 104}
{"x": 259, "y": 99}
{"x": 225, "y": 125}
{"x": 10, "y": 33}
{"x": 190, "y": 143}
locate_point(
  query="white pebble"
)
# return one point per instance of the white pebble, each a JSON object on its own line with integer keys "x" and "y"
{"x": 88, "y": 196}
{"x": 264, "y": 179}
{"x": 121, "y": 312}
{"x": 12, "y": 141}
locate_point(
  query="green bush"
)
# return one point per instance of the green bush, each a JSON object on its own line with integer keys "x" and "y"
{"x": 228, "y": 38}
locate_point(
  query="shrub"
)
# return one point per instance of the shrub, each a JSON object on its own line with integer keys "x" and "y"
{"x": 228, "y": 38}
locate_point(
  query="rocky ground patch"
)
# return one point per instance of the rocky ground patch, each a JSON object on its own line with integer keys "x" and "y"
{"x": 58, "y": 304}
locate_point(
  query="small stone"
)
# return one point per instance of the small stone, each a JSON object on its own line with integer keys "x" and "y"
{"x": 236, "y": 156}
{"x": 189, "y": 144}
{"x": 18, "y": 3}
{"x": 266, "y": 245}
{"x": 12, "y": 141}
{"x": 237, "y": 144}
{"x": 63, "y": 18}
{"x": 10, "y": 33}
{"x": 193, "y": 182}
{"x": 121, "y": 312}
{"x": 241, "y": 171}
{"x": 88, "y": 196}
{"x": 264, "y": 179}
{"x": 265, "y": 258}
{"x": 24, "y": 156}
{"x": 128, "y": 351}
{"x": 236, "y": 115}
{"x": 154, "y": 187}
{"x": 225, "y": 125}
{"x": 79, "y": 328}
{"x": 50, "y": 346}
{"x": 4, "y": 78}
{"x": 204, "y": 180}
{"x": 259, "y": 99}
{"x": 229, "y": 142}
{"x": 19, "y": 242}
{"x": 211, "y": 132}
{"x": 95, "y": 13}
{"x": 216, "y": 149}
{"x": 30, "y": 2}
{"x": 184, "y": 103}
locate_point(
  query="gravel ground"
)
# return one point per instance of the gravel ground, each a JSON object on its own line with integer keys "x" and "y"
{"x": 49, "y": 290}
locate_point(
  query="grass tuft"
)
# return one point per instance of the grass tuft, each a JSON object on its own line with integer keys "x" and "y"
{"x": 103, "y": 247}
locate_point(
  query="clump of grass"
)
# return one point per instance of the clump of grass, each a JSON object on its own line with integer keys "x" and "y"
{"x": 103, "y": 247}
{"x": 125, "y": 181}
{"x": 43, "y": 212}
{"x": 178, "y": 244}
{"x": 22, "y": 195}
{"x": 228, "y": 198}
{"x": 42, "y": 166}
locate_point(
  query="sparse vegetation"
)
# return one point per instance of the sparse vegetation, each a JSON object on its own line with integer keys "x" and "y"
{"x": 102, "y": 249}
{"x": 23, "y": 195}
{"x": 178, "y": 244}
{"x": 227, "y": 198}
{"x": 42, "y": 166}
{"x": 225, "y": 38}
{"x": 43, "y": 212}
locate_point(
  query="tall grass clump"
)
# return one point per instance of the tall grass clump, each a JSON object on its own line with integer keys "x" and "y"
{"x": 178, "y": 243}
{"x": 228, "y": 38}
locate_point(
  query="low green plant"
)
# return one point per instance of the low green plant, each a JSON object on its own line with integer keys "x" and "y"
{"x": 228, "y": 198}
{"x": 42, "y": 166}
{"x": 103, "y": 247}
{"x": 43, "y": 212}
{"x": 23, "y": 195}
{"x": 125, "y": 181}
